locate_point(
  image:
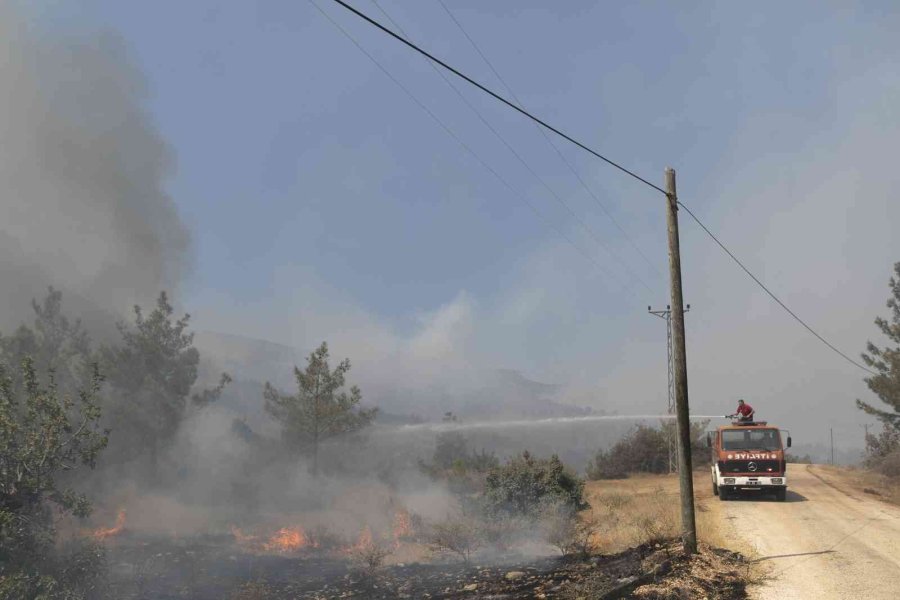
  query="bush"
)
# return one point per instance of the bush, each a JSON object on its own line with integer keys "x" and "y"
{"x": 453, "y": 462}
{"x": 607, "y": 464}
{"x": 82, "y": 567}
{"x": 43, "y": 434}
{"x": 882, "y": 448}
{"x": 370, "y": 551}
{"x": 451, "y": 453}
{"x": 571, "y": 535}
{"x": 75, "y": 571}
{"x": 460, "y": 535}
{"x": 526, "y": 486}
{"x": 806, "y": 459}
{"x": 645, "y": 450}
{"x": 890, "y": 464}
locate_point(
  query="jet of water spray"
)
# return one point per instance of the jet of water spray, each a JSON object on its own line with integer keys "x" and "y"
{"x": 495, "y": 425}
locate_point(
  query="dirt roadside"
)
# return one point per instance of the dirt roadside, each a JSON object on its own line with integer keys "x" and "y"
{"x": 828, "y": 541}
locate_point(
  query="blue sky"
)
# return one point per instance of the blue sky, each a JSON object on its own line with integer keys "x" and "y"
{"x": 323, "y": 203}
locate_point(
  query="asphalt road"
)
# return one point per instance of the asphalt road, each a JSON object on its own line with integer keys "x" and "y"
{"x": 823, "y": 543}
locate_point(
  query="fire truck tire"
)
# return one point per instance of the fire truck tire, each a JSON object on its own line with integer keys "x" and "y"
{"x": 715, "y": 489}
{"x": 781, "y": 494}
{"x": 723, "y": 495}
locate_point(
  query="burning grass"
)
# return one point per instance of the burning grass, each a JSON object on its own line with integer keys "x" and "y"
{"x": 370, "y": 547}
{"x": 210, "y": 567}
{"x": 102, "y": 533}
{"x": 280, "y": 558}
{"x": 624, "y": 535}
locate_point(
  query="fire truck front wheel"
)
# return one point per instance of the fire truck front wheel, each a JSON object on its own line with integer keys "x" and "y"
{"x": 781, "y": 494}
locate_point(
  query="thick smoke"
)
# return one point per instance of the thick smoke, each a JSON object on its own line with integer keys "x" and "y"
{"x": 85, "y": 210}
{"x": 82, "y": 175}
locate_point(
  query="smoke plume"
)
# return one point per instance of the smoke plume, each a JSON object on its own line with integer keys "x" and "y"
{"x": 82, "y": 174}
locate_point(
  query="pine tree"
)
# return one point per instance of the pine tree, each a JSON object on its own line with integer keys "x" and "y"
{"x": 152, "y": 374}
{"x": 886, "y": 361}
{"x": 321, "y": 409}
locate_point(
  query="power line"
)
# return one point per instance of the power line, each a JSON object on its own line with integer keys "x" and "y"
{"x": 486, "y": 90}
{"x": 601, "y": 157}
{"x": 769, "y": 292}
{"x": 559, "y": 153}
{"x": 466, "y": 147}
{"x": 519, "y": 157}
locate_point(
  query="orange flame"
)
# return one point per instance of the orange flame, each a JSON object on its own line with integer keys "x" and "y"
{"x": 103, "y": 533}
{"x": 241, "y": 538}
{"x": 402, "y": 525}
{"x": 363, "y": 542}
{"x": 287, "y": 539}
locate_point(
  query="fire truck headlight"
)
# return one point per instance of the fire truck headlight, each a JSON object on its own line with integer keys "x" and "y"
{"x": 777, "y": 480}
{"x": 728, "y": 481}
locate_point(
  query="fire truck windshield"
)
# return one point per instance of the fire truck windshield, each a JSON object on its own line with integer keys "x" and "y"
{"x": 751, "y": 439}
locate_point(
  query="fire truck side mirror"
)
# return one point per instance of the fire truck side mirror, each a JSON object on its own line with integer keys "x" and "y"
{"x": 709, "y": 440}
{"x": 789, "y": 441}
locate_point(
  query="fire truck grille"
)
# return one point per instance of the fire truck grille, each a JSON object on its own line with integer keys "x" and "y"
{"x": 747, "y": 466}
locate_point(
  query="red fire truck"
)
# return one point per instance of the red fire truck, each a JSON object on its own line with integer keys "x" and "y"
{"x": 748, "y": 456}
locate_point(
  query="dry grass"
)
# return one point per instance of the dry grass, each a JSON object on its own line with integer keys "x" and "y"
{"x": 860, "y": 480}
{"x": 645, "y": 507}
{"x": 710, "y": 574}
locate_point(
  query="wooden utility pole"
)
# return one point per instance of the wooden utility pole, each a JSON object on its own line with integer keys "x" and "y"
{"x": 685, "y": 468}
{"x": 831, "y": 430}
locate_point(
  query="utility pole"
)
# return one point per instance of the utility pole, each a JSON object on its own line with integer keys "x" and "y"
{"x": 685, "y": 468}
{"x": 831, "y": 429}
{"x": 666, "y": 315}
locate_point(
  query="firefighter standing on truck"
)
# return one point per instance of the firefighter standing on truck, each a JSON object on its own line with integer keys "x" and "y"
{"x": 745, "y": 412}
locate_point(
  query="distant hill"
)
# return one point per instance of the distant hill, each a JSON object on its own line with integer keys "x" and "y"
{"x": 488, "y": 394}
{"x": 248, "y": 358}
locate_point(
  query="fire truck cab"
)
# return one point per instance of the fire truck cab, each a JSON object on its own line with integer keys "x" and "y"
{"x": 748, "y": 456}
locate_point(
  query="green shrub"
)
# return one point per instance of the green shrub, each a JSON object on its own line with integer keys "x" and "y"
{"x": 526, "y": 486}
{"x": 44, "y": 433}
{"x": 451, "y": 452}
{"x": 607, "y": 464}
{"x": 453, "y": 462}
{"x": 645, "y": 450}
